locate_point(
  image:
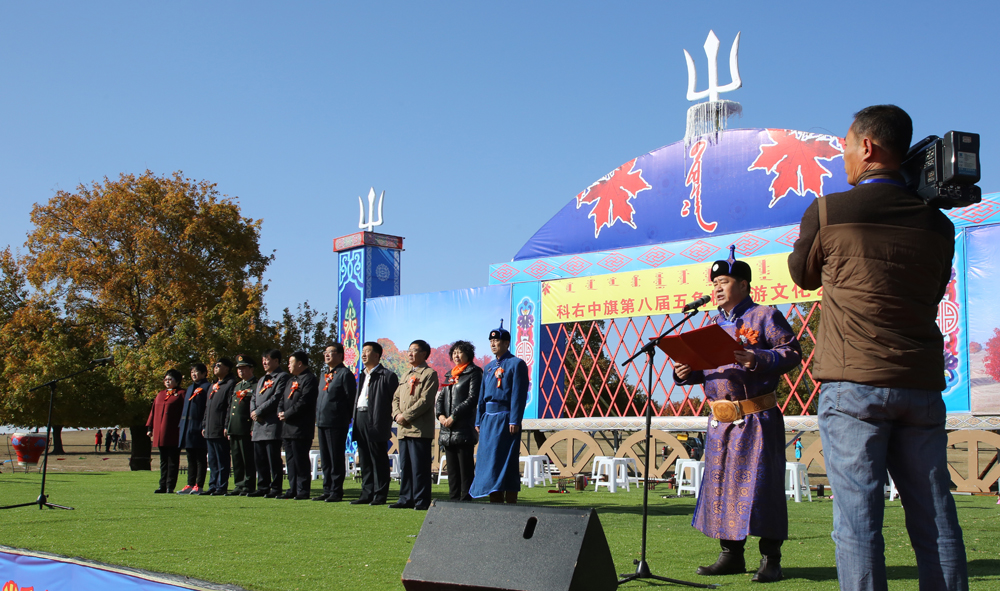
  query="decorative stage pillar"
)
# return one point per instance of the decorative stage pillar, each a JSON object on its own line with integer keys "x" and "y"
{"x": 368, "y": 265}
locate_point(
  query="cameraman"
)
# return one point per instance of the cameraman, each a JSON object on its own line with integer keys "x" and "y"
{"x": 884, "y": 259}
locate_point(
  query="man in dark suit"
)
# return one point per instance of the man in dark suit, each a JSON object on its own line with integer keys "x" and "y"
{"x": 267, "y": 427}
{"x": 297, "y": 412}
{"x": 334, "y": 409}
{"x": 373, "y": 424}
{"x": 213, "y": 428}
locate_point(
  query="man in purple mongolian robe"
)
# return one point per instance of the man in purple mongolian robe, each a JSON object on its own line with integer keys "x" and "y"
{"x": 743, "y": 488}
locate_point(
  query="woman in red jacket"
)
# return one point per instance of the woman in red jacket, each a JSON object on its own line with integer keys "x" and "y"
{"x": 162, "y": 427}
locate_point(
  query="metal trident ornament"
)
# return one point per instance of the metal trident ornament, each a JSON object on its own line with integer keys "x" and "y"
{"x": 712, "y": 51}
{"x": 372, "y": 222}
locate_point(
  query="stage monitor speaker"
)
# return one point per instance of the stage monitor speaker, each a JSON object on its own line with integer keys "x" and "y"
{"x": 477, "y": 546}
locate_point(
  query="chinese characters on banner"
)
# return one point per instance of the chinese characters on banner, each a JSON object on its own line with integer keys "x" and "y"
{"x": 661, "y": 291}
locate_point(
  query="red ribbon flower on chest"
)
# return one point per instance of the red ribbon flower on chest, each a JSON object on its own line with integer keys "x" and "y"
{"x": 197, "y": 391}
{"x": 413, "y": 383}
{"x": 748, "y": 335}
{"x": 241, "y": 394}
{"x": 498, "y": 374}
{"x": 327, "y": 378}
{"x": 295, "y": 387}
{"x": 215, "y": 389}
{"x": 266, "y": 385}
{"x": 174, "y": 392}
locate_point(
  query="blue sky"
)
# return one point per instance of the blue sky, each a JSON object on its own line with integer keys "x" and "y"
{"x": 479, "y": 120}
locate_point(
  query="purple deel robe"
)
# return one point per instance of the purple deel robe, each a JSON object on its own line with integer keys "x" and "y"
{"x": 743, "y": 488}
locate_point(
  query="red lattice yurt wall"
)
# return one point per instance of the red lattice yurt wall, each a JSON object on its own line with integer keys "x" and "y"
{"x": 582, "y": 376}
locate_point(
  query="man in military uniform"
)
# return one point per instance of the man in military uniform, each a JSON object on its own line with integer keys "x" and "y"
{"x": 239, "y": 429}
{"x": 334, "y": 408}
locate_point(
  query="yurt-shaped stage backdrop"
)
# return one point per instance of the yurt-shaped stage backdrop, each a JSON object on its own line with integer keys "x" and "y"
{"x": 617, "y": 263}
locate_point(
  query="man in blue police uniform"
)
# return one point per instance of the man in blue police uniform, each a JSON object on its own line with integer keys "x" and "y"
{"x": 502, "y": 397}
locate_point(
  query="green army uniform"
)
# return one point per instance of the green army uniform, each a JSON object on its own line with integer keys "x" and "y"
{"x": 239, "y": 430}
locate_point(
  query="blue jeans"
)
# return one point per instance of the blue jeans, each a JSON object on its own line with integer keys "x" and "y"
{"x": 867, "y": 430}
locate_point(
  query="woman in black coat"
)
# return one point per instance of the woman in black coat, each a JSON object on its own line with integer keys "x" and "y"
{"x": 456, "y": 411}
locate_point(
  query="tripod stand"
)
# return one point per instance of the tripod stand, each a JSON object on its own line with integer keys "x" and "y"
{"x": 642, "y": 567}
{"x": 42, "y": 500}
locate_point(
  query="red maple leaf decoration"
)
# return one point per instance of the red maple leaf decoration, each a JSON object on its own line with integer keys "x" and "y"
{"x": 795, "y": 157}
{"x": 611, "y": 196}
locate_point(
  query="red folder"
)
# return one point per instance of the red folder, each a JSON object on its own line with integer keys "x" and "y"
{"x": 703, "y": 348}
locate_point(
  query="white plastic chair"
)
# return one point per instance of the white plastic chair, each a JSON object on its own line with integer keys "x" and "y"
{"x": 797, "y": 481}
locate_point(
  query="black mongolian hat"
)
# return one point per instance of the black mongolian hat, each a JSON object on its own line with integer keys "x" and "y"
{"x": 244, "y": 361}
{"x": 500, "y": 333}
{"x": 731, "y": 267}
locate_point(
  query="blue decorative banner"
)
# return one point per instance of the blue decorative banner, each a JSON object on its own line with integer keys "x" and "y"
{"x": 525, "y": 336}
{"x": 22, "y": 570}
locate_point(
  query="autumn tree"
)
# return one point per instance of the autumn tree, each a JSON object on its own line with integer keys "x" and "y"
{"x": 159, "y": 271}
{"x": 307, "y": 330}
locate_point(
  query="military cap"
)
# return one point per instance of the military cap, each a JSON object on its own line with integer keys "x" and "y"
{"x": 244, "y": 360}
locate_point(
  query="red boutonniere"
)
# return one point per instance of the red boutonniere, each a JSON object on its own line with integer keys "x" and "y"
{"x": 498, "y": 374}
{"x": 750, "y": 334}
{"x": 173, "y": 392}
{"x": 295, "y": 386}
{"x": 327, "y": 378}
{"x": 197, "y": 391}
{"x": 266, "y": 385}
{"x": 413, "y": 383}
{"x": 215, "y": 388}
{"x": 241, "y": 394}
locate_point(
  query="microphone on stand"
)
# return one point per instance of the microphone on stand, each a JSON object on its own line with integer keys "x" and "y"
{"x": 105, "y": 361}
{"x": 697, "y": 303}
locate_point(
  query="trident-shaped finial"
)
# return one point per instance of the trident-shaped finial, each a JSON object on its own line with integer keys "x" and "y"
{"x": 372, "y": 222}
{"x": 712, "y": 51}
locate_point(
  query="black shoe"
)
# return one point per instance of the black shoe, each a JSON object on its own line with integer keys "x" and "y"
{"x": 287, "y": 495}
{"x": 728, "y": 563}
{"x": 219, "y": 492}
{"x": 322, "y": 497}
{"x": 234, "y": 493}
{"x": 206, "y": 493}
{"x": 377, "y": 502}
{"x": 257, "y": 493}
{"x": 159, "y": 491}
{"x": 398, "y": 505}
{"x": 302, "y": 497}
{"x": 421, "y": 507}
{"x": 272, "y": 495}
{"x": 246, "y": 493}
{"x": 334, "y": 499}
{"x": 769, "y": 571}
{"x": 360, "y": 501}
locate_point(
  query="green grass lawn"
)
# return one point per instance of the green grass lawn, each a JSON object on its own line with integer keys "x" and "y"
{"x": 286, "y": 545}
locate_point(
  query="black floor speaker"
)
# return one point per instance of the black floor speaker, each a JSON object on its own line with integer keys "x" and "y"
{"x": 477, "y": 546}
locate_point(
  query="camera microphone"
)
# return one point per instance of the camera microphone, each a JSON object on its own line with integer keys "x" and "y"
{"x": 103, "y": 361}
{"x": 697, "y": 303}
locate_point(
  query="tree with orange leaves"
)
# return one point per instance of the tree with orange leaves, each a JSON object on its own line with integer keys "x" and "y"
{"x": 159, "y": 271}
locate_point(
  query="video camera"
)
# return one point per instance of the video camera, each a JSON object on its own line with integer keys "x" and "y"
{"x": 944, "y": 171}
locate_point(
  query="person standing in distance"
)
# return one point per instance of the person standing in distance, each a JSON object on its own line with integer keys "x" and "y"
{"x": 162, "y": 427}
{"x": 238, "y": 429}
{"x": 214, "y": 427}
{"x": 413, "y": 411}
{"x": 502, "y": 396}
{"x": 373, "y": 425}
{"x": 297, "y": 410}
{"x": 884, "y": 260}
{"x": 334, "y": 408}
{"x": 191, "y": 439}
{"x": 267, "y": 427}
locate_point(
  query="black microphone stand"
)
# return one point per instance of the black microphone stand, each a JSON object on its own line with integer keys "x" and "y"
{"x": 42, "y": 500}
{"x": 642, "y": 567}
